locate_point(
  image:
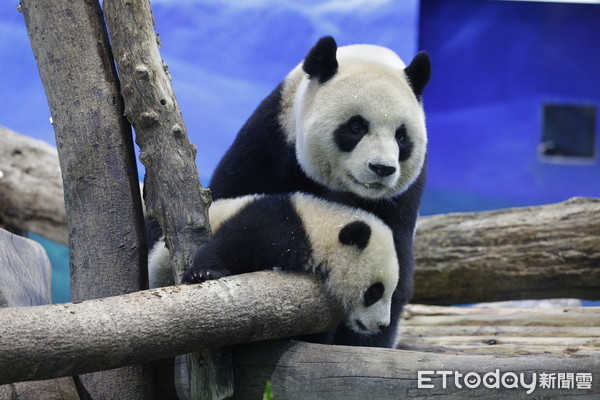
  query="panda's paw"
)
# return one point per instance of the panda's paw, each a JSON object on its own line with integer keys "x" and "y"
{"x": 197, "y": 275}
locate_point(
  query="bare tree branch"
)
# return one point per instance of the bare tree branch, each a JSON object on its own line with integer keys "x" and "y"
{"x": 66, "y": 339}
{"x": 95, "y": 147}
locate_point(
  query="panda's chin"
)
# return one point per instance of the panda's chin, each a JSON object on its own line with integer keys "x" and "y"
{"x": 370, "y": 190}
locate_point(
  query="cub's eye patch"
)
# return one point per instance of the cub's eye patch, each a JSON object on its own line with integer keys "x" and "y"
{"x": 356, "y": 233}
{"x": 373, "y": 294}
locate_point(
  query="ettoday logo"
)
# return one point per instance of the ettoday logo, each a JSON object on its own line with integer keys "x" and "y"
{"x": 506, "y": 380}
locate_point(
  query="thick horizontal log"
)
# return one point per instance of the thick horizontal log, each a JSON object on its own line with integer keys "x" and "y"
{"x": 31, "y": 189}
{"x": 550, "y": 251}
{"x": 306, "y": 371}
{"x": 69, "y": 339}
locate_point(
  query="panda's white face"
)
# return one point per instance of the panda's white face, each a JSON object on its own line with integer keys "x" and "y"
{"x": 363, "y": 130}
{"x": 355, "y": 252}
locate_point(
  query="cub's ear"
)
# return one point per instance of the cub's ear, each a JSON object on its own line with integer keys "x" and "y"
{"x": 320, "y": 62}
{"x": 356, "y": 233}
{"x": 419, "y": 72}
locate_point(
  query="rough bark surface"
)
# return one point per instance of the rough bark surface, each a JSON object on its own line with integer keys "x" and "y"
{"x": 102, "y": 200}
{"x": 173, "y": 194}
{"x": 31, "y": 189}
{"x": 25, "y": 277}
{"x": 549, "y": 251}
{"x": 307, "y": 371}
{"x": 159, "y": 323}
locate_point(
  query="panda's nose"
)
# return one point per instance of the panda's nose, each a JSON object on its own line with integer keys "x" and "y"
{"x": 382, "y": 326}
{"x": 382, "y": 170}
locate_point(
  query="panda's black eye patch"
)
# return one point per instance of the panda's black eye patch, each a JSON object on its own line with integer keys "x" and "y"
{"x": 356, "y": 233}
{"x": 349, "y": 134}
{"x": 404, "y": 143}
{"x": 373, "y": 294}
{"x": 401, "y": 134}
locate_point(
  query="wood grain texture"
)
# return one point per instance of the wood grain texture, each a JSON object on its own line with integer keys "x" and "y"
{"x": 25, "y": 272}
{"x": 95, "y": 147}
{"x": 307, "y": 371}
{"x": 550, "y": 251}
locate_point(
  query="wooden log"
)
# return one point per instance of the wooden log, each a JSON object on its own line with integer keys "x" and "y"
{"x": 306, "y": 371}
{"x": 154, "y": 324}
{"x": 31, "y": 189}
{"x": 173, "y": 194}
{"x": 520, "y": 253}
{"x": 95, "y": 146}
{"x": 25, "y": 277}
{"x": 25, "y": 272}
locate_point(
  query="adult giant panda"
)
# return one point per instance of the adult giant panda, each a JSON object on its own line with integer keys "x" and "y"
{"x": 347, "y": 124}
{"x": 351, "y": 249}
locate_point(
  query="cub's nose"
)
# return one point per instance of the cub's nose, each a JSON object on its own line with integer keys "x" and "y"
{"x": 382, "y": 170}
{"x": 382, "y": 326}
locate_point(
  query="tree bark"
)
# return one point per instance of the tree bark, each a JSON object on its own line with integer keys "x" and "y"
{"x": 31, "y": 189}
{"x": 93, "y": 335}
{"x": 25, "y": 277}
{"x": 103, "y": 205}
{"x": 172, "y": 191}
{"x": 549, "y": 251}
{"x": 307, "y": 371}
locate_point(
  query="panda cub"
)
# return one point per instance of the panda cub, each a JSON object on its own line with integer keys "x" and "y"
{"x": 351, "y": 249}
{"x": 347, "y": 125}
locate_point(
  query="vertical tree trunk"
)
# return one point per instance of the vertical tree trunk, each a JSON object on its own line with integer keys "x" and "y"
{"x": 104, "y": 217}
{"x": 172, "y": 191}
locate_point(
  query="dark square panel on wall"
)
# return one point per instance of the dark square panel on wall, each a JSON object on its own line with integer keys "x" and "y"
{"x": 568, "y": 133}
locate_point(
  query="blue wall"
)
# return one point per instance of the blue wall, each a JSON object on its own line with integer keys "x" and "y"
{"x": 494, "y": 64}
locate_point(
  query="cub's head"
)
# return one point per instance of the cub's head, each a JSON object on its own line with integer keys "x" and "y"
{"x": 362, "y": 273}
{"x": 356, "y": 118}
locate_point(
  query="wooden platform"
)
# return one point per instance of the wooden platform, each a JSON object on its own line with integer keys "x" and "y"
{"x": 506, "y": 331}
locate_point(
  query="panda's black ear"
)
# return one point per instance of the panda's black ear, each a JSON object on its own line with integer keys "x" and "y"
{"x": 419, "y": 72}
{"x": 320, "y": 62}
{"x": 356, "y": 233}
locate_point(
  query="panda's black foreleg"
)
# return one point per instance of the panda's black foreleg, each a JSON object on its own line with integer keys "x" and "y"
{"x": 207, "y": 264}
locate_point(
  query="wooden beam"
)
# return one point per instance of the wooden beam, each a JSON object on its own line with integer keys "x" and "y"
{"x": 68, "y": 339}
{"x": 550, "y": 251}
{"x": 307, "y": 371}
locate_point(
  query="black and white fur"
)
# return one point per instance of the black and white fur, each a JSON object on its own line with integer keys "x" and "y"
{"x": 351, "y": 249}
{"x": 347, "y": 124}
